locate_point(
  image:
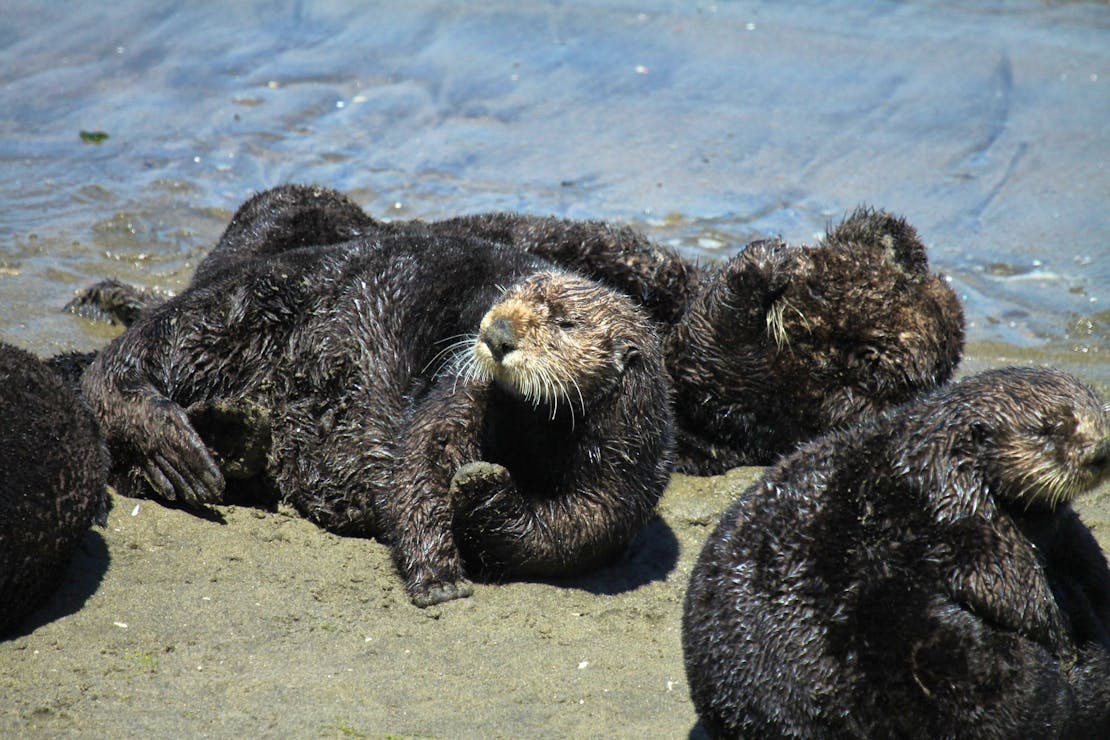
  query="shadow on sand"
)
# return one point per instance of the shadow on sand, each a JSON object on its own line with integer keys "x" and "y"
{"x": 80, "y": 581}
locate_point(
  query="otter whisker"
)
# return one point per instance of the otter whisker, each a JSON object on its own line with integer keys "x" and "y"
{"x": 457, "y": 341}
{"x": 776, "y": 321}
{"x": 581, "y": 398}
{"x": 470, "y": 370}
{"x": 775, "y": 324}
{"x": 550, "y": 395}
{"x": 564, "y": 393}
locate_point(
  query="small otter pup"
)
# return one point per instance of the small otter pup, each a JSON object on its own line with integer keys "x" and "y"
{"x": 784, "y": 343}
{"x": 772, "y": 347}
{"x": 523, "y": 429}
{"x": 920, "y": 575}
{"x": 54, "y": 467}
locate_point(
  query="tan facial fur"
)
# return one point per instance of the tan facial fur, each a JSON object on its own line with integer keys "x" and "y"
{"x": 1064, "y": 457}
{"x": 555, "y": 339}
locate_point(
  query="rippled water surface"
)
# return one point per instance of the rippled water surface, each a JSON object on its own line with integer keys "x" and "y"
{"x": 986, "y": 124}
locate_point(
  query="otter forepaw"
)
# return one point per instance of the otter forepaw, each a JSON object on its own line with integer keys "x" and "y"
{"x": 476, "y": 480}
{"x": 437, "y": 593}
{"x": 178, "y": 465}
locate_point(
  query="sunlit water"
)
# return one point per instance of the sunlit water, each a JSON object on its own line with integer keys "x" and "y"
{"x": 986, "y": 124}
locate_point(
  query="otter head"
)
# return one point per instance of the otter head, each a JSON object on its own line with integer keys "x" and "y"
{"x": 1041, "y": 437}
{"x": 856, "y": 323}
{"x": 558, "y": 338}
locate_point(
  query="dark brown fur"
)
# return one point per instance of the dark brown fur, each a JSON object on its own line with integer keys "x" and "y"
{"x": 372, "y": 410}
{"x": 921, "y": 575}
{"x": 53, "y": 465}
{"x": 766, "y": 350}
{"x": 784, "y": 343}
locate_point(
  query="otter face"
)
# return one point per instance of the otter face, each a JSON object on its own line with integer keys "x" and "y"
{"x": 556, "y": 338}
{"x": 863, "y": 331}
{"x": 1044, "y": 436}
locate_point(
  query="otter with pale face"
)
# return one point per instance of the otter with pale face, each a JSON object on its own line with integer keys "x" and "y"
{"x": 538, "y": 444}
{"x": 920, "y": 575}
{"x": 571, "y": 417}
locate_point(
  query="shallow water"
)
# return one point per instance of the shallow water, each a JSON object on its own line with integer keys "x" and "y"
{"x": 708, "y": 124}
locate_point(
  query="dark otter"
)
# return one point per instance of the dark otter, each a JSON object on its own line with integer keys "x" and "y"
{"x": 360, "y": 355}
{"x": 770, "y": 348}
{"x": 54, "y": 467}
{"x": 784, "y": 343}
{"x": 922, "y": 575}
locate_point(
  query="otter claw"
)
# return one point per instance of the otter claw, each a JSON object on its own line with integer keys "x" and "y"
{"x": 172, "y": 484}
{"x": 178, "y": 466}
{"x": 441, "y": 592}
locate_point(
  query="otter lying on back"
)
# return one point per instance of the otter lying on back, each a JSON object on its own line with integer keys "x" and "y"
{"x": 772, "y": 347}
{"x": 384, "y": 367}
{"x": 919, "y": 576}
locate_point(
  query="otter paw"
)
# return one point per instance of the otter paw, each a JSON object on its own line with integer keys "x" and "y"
{"x": 474, "y": 479}
{"x": 113, "y": 302}
{"x": 178, "y": 465}
{"x": 437, "y": 593}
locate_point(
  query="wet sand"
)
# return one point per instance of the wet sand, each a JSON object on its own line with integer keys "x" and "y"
{"x": 264, "y": 625}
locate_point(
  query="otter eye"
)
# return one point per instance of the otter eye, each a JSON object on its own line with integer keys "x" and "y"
{"x": 567, "y": 324}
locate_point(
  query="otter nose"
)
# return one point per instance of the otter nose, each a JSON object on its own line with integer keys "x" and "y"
{"x": 500, "y": 339}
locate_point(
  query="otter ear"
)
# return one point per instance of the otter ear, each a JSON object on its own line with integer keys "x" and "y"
{"x": 627, "y": 356}
{"x": 867, "y": 227}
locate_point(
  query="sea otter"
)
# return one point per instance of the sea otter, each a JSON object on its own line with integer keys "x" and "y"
{"x": 383, "y": 366}
{"x": 54, "y": 467}
{"x": 774, "y": 346}
{"x": 784, "y": 343}
{"x": 920, "y": 575}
